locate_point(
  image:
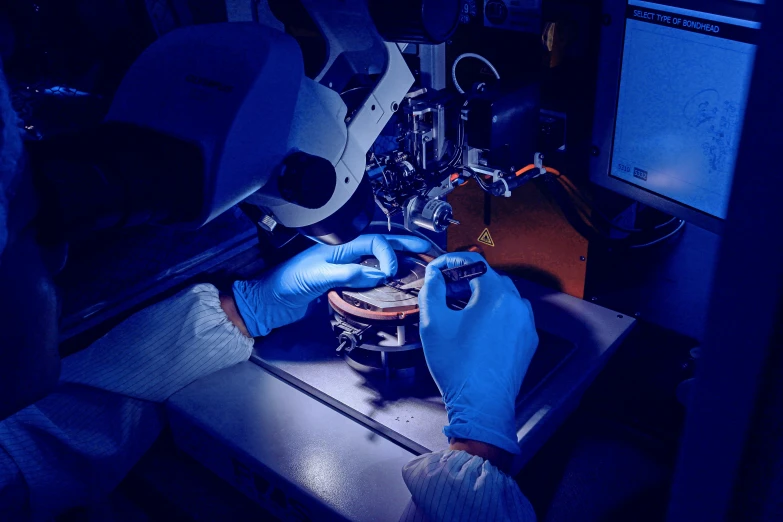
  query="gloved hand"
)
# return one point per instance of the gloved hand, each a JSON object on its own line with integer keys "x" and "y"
{"x": 478, "y": 356}
{"x": 282, "y": 296}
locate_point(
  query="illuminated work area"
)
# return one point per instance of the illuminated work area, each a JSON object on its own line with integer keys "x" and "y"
{"x": 390, "y": 260}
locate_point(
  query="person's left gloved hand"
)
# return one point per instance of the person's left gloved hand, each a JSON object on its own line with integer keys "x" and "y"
{"x": 282, "y": 296}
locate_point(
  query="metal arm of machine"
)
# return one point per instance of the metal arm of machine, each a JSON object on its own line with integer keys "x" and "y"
{"x": 493, "y": 139}
{"x": 210, "y": 116}
{"x": 232, "y": 103}
{"x": 348, "y": 27}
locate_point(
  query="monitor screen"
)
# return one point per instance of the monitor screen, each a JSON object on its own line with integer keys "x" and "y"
{"x": 683, "y": 89}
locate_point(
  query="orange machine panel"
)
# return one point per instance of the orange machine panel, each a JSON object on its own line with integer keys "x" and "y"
{"x": 528, "y": 236}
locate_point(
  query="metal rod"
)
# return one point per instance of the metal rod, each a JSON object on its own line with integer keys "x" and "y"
{"x": 385, "y": 364}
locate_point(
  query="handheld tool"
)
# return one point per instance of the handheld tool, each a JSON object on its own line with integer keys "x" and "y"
{"x": 451, "y": 275}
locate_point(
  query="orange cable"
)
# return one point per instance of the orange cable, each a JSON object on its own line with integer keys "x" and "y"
{"x": 454, "y": 177}
{"x": 525, "y": 169}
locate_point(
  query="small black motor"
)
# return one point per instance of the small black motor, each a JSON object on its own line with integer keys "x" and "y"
{"x": 416, "y": 21}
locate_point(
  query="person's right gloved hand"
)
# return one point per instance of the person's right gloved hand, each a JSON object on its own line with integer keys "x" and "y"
{"x": 478, "y": 356}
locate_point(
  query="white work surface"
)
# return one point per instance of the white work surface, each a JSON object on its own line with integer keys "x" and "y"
{"x": 307, "y": 438}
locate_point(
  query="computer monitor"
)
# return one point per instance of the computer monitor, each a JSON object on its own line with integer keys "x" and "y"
{"x": 672, "y": 89}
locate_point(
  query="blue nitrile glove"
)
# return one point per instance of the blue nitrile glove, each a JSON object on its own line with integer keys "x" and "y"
{"x": 478, "y": 356}
{"x": 282, "y": 296}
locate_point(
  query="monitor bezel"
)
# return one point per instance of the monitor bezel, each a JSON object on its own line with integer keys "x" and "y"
{"x": 606, "y": 102}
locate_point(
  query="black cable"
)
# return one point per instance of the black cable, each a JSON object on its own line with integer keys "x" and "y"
{"x": 661, "y": 239}
{"x": 609, "y": 221}
{"x": 454, "y": 161}
{"x": 664, "y": 225}
{"x": 589, "y": 231}
{"x": 480, "y": 182}
{"x": 599, "y": 213}
{"x": 575, "y": 219}
{"x": 603, "y": 216}
{"x": 457, "y": 152}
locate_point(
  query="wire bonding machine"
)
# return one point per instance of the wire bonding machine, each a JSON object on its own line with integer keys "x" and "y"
{"x": 457, "y": 120}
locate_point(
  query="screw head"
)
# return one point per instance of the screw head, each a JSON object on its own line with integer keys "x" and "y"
{"x": 494, "y": 119}
{"x": 607, "y": 19}
{"x": 582, "y": 258}
{"x": 594, "y": 299}
{"x": 595, "y": 151}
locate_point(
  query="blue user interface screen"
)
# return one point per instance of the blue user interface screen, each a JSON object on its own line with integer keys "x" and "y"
{"x": 683, "y": 92}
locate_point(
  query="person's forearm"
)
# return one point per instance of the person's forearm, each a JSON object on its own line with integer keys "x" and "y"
{"x": 97, "y": 437}
{"x": 167, "y": 346}
{"x": 492, "y": 454}
{"x": 460, "y": 487}
{"x": 229, "y": 305}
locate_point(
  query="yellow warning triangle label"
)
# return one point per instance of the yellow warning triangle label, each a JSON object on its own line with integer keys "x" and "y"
{"x": 486, "y": 238}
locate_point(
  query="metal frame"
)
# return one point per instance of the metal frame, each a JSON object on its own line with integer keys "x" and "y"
{"x": 149, "y": 289}
{"x": 745, "y": 302}
{"x": 432, "y": 62}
